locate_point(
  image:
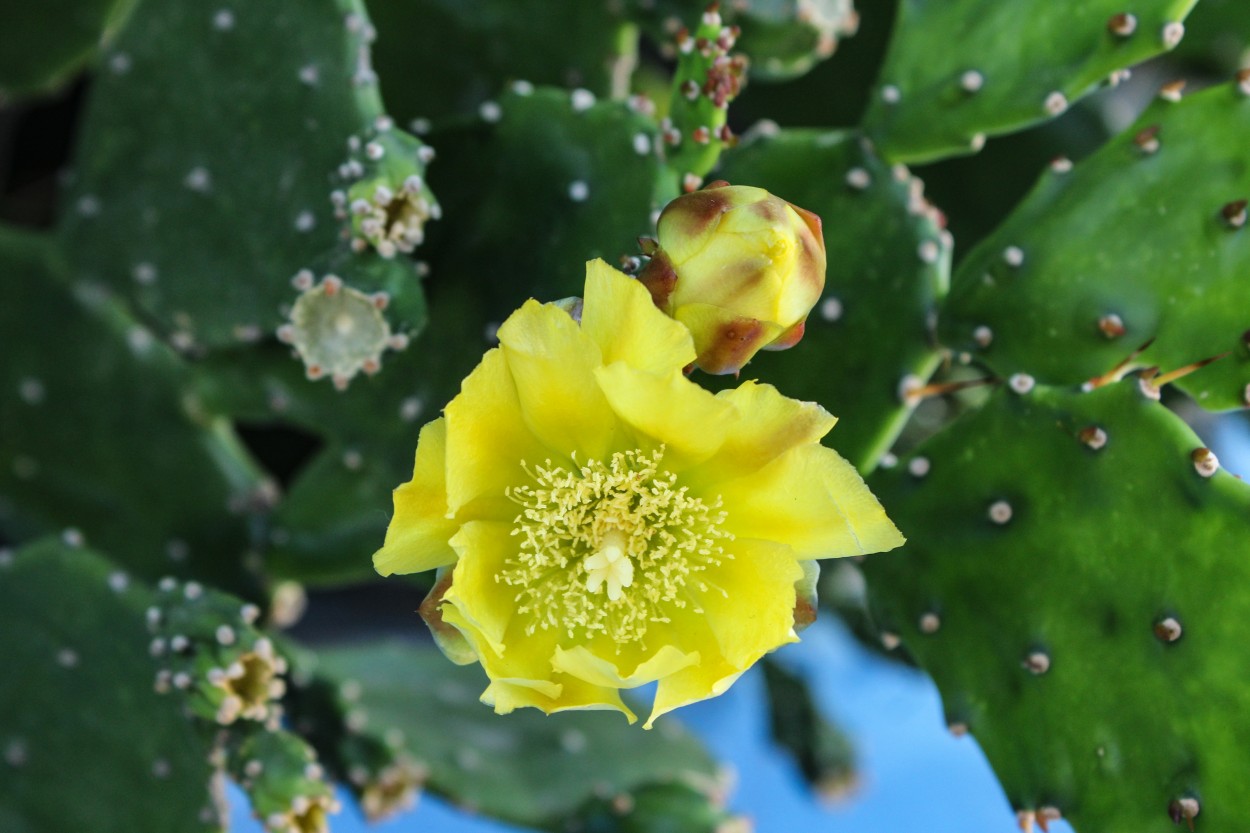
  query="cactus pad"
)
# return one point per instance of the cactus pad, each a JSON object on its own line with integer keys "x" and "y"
{"x": 81, "y": 727}
{"x": 1068, "y": 616}
{"x": 1146, "y": 239}
{"x": 1015, "y": 64}
{"x": 95, "y": 432}
{"x": 46, "y": 42}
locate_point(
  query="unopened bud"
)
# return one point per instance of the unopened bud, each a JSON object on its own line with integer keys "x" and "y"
{"x": 740, "y": 268}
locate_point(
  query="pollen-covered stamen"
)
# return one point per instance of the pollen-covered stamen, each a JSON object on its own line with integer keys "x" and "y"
{"x": 610, "y": 547}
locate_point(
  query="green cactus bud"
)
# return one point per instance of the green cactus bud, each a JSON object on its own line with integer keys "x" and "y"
{"x": 208, "y": 648}
{"x": 338, "y": 331}
{"x": 388, "y": 202}
{"x": 738, "y": 266}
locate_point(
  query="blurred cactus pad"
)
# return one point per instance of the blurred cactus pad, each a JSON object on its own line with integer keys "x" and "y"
{"x": 250, "y": 249}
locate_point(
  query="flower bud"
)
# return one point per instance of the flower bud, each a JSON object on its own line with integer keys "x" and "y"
{"x": 740, "y": 268}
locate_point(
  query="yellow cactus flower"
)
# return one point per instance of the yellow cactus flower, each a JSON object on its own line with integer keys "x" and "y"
{"x": 740, "y": 268}
{"x": 602, "y": 522}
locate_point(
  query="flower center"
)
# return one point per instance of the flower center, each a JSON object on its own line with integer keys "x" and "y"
{"x": 610, "y": 547}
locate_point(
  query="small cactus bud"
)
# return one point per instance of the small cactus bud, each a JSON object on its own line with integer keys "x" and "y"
{"x": 741, "y": 268}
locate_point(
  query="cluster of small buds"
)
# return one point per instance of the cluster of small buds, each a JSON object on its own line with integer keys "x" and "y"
{"x": 386, "y": 203}
{"x": 208, "y": 648}
{"x": 393, "y": 790}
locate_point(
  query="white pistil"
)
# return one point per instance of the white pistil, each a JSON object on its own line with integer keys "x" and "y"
{"x": 610, "y": 565}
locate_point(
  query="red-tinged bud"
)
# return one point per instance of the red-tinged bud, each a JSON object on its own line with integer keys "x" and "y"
{"x": 740, "y": 268}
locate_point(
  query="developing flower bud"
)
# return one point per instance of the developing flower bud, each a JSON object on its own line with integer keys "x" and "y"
{"x": 740, "y": 268}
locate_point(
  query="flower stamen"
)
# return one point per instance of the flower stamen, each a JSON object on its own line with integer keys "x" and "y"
{"x": 624, "y": 528}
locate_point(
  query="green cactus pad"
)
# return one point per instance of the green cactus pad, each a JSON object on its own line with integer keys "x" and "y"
{"x": 1058, "y": 584}
{"x": 523, "y": 767}
{"x": 959, "y": 71}
{"x": 96, "y": 434}
{"x": 200, "y": 192}
{"x": 439, "y": 58}
{"x": 1144, "y": 240}
{"x": 81, "y": 728}
{"x": 46, "y": 42}
{"x": 888, "y": 264}
{"x": 282, "y": 779}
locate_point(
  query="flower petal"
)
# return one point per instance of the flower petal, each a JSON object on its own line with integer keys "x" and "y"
{"x": 579, "y": 661}
{"x": 569, "y": 694}
{"x": 476, "y": 594}
{"x": 769, "y": 425}
{"x": 553, "y": 363}
{"x": 812, "y": 500}
{"x": 749, "y": 606}
{"x": 417, "y": 537}
{"x": 486, "y": 436}
{"x": 708, "y": 678}
{"x": 621, "y": 318}
{"x": 669, "y": 409}
{"x": 523, "y": 676}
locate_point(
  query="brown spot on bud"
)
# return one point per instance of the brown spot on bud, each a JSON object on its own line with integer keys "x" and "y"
{"x": 732, "y": 346}
{"x": 804, "y": 612}
{"x": 1243, "y": 81}
{"x": 789, "y": 338}
{"x": 658, "y": 276}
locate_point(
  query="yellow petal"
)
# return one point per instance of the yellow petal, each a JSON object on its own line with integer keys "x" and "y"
{"x": 709, "y": 678}
{"x": 812, "y": 500}
{"x": 523, "y": 676}
{"x": 668, "y": 409}
{"x": 620, "y": 317}
{"x": 569, "y": 695}
{"x": 486, "y": 436}
{"x": 769, "y": 425}
{"x": 749, "y": 605}
{"x": 579, "y": 661}
{"x": 553, "y": 364}
{"x": 476, "y": 594}
{"x": 417, "y": 537}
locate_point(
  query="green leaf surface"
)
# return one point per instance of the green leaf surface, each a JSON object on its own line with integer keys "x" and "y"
{"x": 47, "y": 41}
{"x": 86, "y": 742}
{"x": 523, "y": 767}
{"x": 439, "y": 58}
{"x": 95, "y": 433}
{"x": 959, "y": 71}
{"x": 1133, "y": 239}
{"x": 199, "y": 191}
{"x": 888, "y": 265}
{"x": 1051, "y": 538}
